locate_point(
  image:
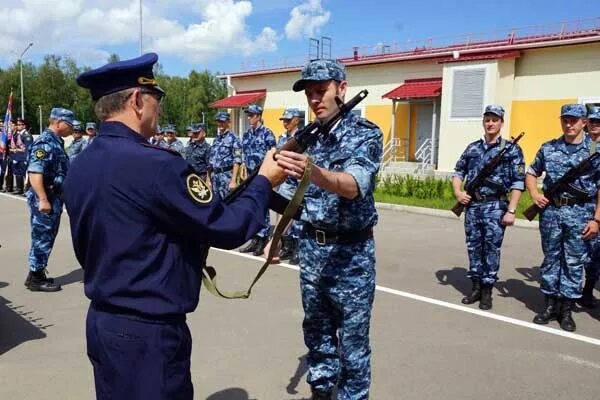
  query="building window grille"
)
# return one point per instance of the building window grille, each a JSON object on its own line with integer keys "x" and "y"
{"x": 468, "y": 93}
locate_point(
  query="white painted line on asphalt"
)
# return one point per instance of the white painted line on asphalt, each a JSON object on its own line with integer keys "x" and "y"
{"x": 446, "y": 304}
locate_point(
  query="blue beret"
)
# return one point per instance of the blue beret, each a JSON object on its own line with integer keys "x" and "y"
{"x": 169, "y": 128}
{"x": 76, "y": 125}
{"x": 90, "y": 125}
{"x": 594, "y": 113}
{"x": 321, "y": 70}
{"x": 222, "y": 116}
{"x": 290, "y": 113}
{"x": 254, "y": 109}
{"x": 573, "y": 110}
{"x": 494, "y": 109}
{"x": 121, "y": 75}
{"x": 62, "y": 114}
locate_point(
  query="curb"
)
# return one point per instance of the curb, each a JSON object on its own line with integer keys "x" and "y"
{"x": 434, "y": 212}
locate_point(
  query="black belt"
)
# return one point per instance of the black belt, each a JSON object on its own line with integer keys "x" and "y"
{"x": 324, "y": 237}
{"x": 224, "y": 169}
{"x": 562, "y": 200}
{"x": 483, "y": 198}
{"x": 138, "y": 316}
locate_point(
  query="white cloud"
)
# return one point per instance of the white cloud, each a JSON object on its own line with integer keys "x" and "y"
{"x": 306, "y": 20}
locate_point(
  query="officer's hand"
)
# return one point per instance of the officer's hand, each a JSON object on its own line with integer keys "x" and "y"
{"x": 590, "y": 230}
{"x": 463, "y": 198}
{"x": 271, "y": 170}
{"x": 44, "y": 207}
{"x": 540, "y": 200}
{"x": 508, "y": 219}
{"x": 292, "y": 163}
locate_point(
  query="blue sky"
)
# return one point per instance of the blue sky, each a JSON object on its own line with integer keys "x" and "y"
{"x": 229, "y": 35}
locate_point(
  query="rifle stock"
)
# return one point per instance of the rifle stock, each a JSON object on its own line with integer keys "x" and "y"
{"x": 531, "y": 212}
{"x": 458, "y": 209}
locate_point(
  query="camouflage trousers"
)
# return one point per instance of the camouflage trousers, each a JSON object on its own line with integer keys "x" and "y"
{"x": 44, "y": 228}
{"x": 592, "y": 267}
{"x": 338, "y": 286}
{"x": 565, "y": 251}
{"x": 220, "y": 183}
{"x": 484, "y": 234}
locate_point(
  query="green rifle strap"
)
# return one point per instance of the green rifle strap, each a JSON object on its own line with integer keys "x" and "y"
{"x": 593, "y": 147}
{"x": 209, "y": 274}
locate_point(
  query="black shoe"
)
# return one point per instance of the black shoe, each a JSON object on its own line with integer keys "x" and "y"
{"x": 550, "y": 313}
{"x": 316, "y": 395}
{"x": 261, "y": 243}
{"x": 486, "y": 297}
{"x": 39, "y": 282}
{"x": 295, "y": 260}
{"x": 30, "y": 274}
{"x": 588, "y": 300}
{"x": 475, "y": 295}
{"x": 287, "y": 248}
{"x": 565, "y": 318}
{"x": 250, "y": 247}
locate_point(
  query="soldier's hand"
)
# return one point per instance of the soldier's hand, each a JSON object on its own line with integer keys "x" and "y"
{"x": 243, "y": 172}
{"x": 271, "y": 170}
{"x": 540, "y": 200}
{"x": 463, "y": 198}
{"x": 590, "y": 230}
{"x": 232, "y": 185}
{"x": 508, "y": 219}
{"x": 275, "y": 259}
{"x": 44, "y": 207}
{"x": 292, "y": 163}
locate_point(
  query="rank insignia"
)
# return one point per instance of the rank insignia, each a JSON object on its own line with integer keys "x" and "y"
{"x": 198, "y": 189}
{"x": 39, "y": 154}
{"x": 521, "y": 169}
{"x": 373, "y": 152}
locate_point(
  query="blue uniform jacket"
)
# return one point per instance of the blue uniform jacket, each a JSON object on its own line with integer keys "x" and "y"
{"x": 141, "y": 220}
{"x": 225, "y": 151}
{"x": 47, "y": 156}
{"x": 255, "y": 144}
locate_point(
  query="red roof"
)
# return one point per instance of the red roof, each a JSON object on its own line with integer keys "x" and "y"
{"x": 416, "y": 89}
{"x": 241, "y": 99}
{"x": 489, "y": 55}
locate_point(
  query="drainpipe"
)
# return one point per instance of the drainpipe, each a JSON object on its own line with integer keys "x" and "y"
{"x": 393, "y": 133}
{"x": 433, "y": 129}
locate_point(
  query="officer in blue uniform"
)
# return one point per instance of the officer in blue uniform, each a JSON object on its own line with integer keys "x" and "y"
{"x": 20, "y": 144}
{"x": 141, "y": 221}
{"x": 569, "y": 221}
{"x": 90, "y": 129}
{"x": 489, "y": 212}
{"x": 172, "y": 143}
{"x": 76, "y": 145}
{"x": 48, "y": 166}
{"x": 197, "y": 151}
{"x": 592, "y": 268}
{"x": 337, "y": 249}
{"x": 225, "y": 157}
{"x": 256, "y": 141}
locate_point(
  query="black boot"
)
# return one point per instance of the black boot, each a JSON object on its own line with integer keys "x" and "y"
{"x": 486, "y": 297}
{"x": 20, "y": 183}
{"x": 316, "y": 395}
{"x": 261, "y": 243}
{"x": 588, "y": 300}
{"x": 287, "y": 248}
{"x": 565, "y": 318}
{"x": 39, "y": 282}
{"x": 30, "y": 274}
{"x": 550, "y": 313}
{"x": 475, "y": 295}
{"x": 250, "y": 247}
{"x": 295, "y": 260}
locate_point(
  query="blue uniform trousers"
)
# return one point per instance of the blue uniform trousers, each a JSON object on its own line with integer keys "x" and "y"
{"x": 220, "y": 183}
{"x": 44, "y": 228}
{"x": 139, "y": 359}
{"x": 565, "y": 251}
{"x": 338, "y": 287}
{"x": 484, "y": 234}
{"x": 592, "y": 267}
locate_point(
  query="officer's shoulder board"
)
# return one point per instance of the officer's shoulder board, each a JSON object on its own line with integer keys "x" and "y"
{"x": 151, "y": 146}
{"x": 366, "y": 123}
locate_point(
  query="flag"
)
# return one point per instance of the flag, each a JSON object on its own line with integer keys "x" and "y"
{"x": 6, "y": 127}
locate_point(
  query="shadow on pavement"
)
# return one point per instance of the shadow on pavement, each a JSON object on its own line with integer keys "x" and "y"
{"x": 75, "y": 276}
{"x": 230, "y": 394}
{"x": 455, "y": 277}
{"x": 17, "y": 327}
{"x": 529, "y": 295}
{"x": 300, "y": 371}
{"x": 531, "y": 274}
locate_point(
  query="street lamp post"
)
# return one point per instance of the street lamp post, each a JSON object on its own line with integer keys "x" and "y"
{"x": 21, "y": 65}
{"x": 140, "y": 27}
{"x": 40, "y": 108}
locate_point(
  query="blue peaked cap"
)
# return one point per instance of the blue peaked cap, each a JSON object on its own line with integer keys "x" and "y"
{"x": 121, "y": 75}
{"x": 573, "y": 110}
{"x": 320, "y": 70}
{"x": 290, "y": 113}
{"x": 494, "y": 109}
{"x": 594, "y": 113}
{"x": 222, "y": 116}
{"x": 254, "y": 109}
{"x": 62, "y": 114}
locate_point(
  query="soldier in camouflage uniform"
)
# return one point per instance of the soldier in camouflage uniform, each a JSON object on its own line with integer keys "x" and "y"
{"x": 489, "y": 212}
{"x": 90, "y": 129}
{"x": 592, "y": 268}
{"x": 20, "y": 144}
{"x": 76, "y": 146}
{"x": 568, "y": 220}
{"x": 47, "y": 169}
{"x": 198, "y": 150}
{"x": 172, "y": 143}
{"x": 337, "y": 249}
{"x": 225, "y": 157}
{"x": 256, "y": 141}
{"x": 159, "y": 138}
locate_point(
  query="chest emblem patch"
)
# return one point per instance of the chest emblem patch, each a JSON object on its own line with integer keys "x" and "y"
{"x": 198, "y": 189}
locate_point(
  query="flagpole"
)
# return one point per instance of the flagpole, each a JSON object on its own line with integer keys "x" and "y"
{"x": 140, "y": 27}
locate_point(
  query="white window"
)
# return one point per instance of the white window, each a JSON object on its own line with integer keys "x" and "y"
{"x": 468, "y": 92}
{"x": 590, "y": 101}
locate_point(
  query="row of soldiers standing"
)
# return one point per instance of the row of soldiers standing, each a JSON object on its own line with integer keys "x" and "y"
{"x": 569, "y": 220}
{"x": 14, "y": 157}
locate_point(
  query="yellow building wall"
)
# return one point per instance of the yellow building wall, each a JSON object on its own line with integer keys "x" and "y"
{"x": 271, "y": 120}
{"x": 539, "y": 119}
{"x": 382, "y": 117}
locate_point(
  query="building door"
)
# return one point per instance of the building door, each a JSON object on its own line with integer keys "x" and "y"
{"x": 423, "y": 124}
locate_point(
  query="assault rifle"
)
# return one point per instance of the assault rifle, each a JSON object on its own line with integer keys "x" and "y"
{"x": 485, "y": 172}
{"x": 563, "y": 184}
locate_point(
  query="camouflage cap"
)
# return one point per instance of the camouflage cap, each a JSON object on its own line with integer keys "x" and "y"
{"x": 169, "y": 128}
{"x": 90, "y": 125}
{"x": 198, "y": 127}
{"x": 573, "y": 110}
{"x": 594, "y": 112}
{"x": 222, "y": 116}
{"x": 290, "y": 113}
{"x": 494, "y": 109}
{"x": 321, "y": 70}
{"x": 76, "y": 126}
{"x": 254, "y": 109}
{"x": 62, "y": 114}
